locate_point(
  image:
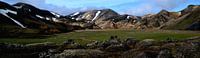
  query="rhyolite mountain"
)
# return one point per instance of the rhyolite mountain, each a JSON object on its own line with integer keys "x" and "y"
{"x": 103, "y": 19}
{"x": 25, "y": 18}
{"x": 187, "y": 19}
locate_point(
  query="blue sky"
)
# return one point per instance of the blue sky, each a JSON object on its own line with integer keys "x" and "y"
{"x": 133, "y": 7}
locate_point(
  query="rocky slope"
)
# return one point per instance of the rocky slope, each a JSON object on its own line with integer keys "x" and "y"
{"x": 189, "y": 19}
{"x": 20, "y": 17}
{"x": 103, "y": 19}
{"x": 157, "y": 20}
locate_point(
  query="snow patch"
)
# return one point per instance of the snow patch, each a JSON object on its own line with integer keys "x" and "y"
{"x": 77, "y": 19}
{"x": 39, "y": 16}
{"x": 55, "y": 14}
{"x": 47, "y": 18}
{"x": 128, "y": 17}
{"x": 17, "y": 22}
{"x": 75, "y": 13}
{"x": 55, "y": 20}
{"x": 83, "y": 16}
{"x": 73, "y": 18}
{"x": 96, "y": 15}
{"x": 5, "y": 11}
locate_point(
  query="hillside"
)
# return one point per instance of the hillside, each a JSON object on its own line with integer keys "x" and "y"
{"x": 16, "y": 19}
{"x": 189, "y": 20}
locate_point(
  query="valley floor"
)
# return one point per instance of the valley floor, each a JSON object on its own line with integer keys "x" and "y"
{"x": 88, "y": 36}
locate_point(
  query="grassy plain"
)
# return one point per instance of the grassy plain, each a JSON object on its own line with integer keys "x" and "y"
{"x": 87, "y": 36}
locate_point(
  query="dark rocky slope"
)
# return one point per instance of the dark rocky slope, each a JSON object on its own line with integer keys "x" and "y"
{"x": 24, "y": 18}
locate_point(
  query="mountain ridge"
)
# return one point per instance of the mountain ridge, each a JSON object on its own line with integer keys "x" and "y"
{"x": 152, "y": 21}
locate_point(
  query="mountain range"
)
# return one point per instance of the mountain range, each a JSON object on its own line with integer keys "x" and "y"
{"x": 187, "y": 19}
{"x": 25, "y": 18}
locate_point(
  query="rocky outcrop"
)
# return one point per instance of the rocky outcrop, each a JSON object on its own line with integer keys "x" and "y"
{"x": 145, "y": 43}
{"x": 23, "y": 51}
{"x": 81, "y": 53}
{"x": 113, "y": 48}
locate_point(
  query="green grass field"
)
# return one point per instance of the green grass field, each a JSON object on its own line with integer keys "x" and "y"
{"x": 83, "y": 37}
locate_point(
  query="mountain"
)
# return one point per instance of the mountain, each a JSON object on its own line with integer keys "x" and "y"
{"x": 189, "y": 20}
{"x": 102, "y": 19}
{"x": 154, "y": 21}
{"x": 20, "y": 17}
